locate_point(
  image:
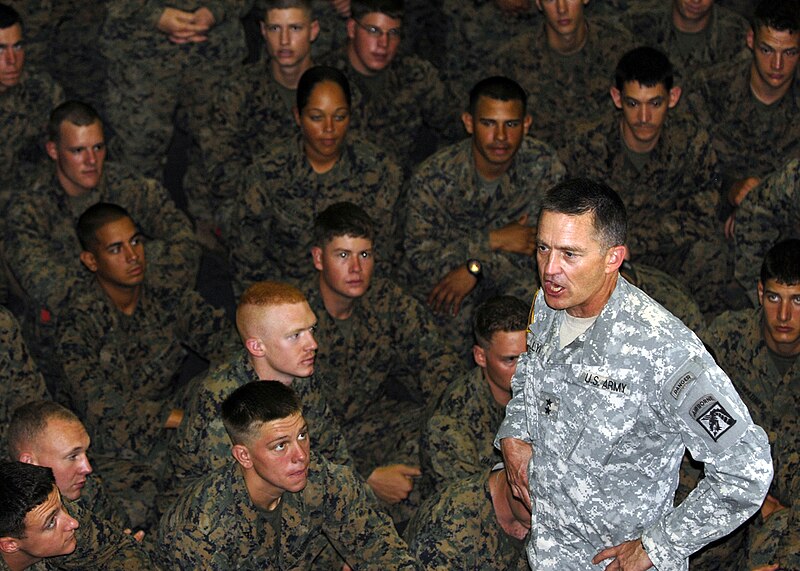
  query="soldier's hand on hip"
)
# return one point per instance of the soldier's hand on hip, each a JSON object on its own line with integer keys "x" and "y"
{"x": 628, "y": 556}
{"x": 517, "y": 455}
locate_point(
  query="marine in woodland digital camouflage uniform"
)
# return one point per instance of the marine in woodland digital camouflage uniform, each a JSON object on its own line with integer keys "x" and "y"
{"x": 750, "y": 138}
{"x": 768, "y": 214}
{"x": 450, "y": 214}
{"x": 475, "y": 31}
{"x": 280, "y": 195}
{"x": 120, "y": 372}
{"x": 671, "y": 200}
{"x": 42, "y": 248}
{"x": 610, "y": 416}
{"x": 248, "y": 115}
{"x": 201, "y": 443}
{"x": 387, "y": 346}
{"x": 401, "y": 104}
{"x": 458, "y": 440}
{"x": 216, "y": 526}
{"x": 720, "y": 41}
{"x": 737, "y": 338}
{"x": 562, "y": 88}
{"x": 668, "y": 291}
{"x": 38, "y": 23}
{"x": 20, "y": 378}
{"x": 458, "y": 529}
{"x": 149, "y": 76}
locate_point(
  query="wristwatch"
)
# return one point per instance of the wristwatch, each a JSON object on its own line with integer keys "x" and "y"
{"x": 475, "y": 268}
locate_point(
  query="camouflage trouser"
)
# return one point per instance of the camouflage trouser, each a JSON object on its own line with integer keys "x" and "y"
{"x": 143, "y": 100}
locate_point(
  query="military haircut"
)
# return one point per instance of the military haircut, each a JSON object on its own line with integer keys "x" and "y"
{"x": 30, "y": 420}
{"x": 645, "y": 65}
{"x": 578, "y": 196}
{"x": 313, "y": 76}
{"x": 500, "y": 313}
{"x": 8, "y": 17}
{"x": 269, "y": 293}
{"x": 782, "y": 263}
{"x": 780, "y": 15}
{"x": 392, "y": 8}
{"x": 94, "y": 218}
{"x": 265, "y": 6}
{"x": 22, "y": 488}
{"x": 342, "y": 219}
{"x": 76, "y": 112}
{"x": 247, "y": 408}
{"x": 497, "y": 87}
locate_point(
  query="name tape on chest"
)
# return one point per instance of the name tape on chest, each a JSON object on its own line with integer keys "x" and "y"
{"x": 712, "y": 416}
{"x": 605, "y": 383}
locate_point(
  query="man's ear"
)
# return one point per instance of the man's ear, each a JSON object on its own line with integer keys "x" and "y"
{"x": 27, "y": 458}
{"x": 316, "y": 256}
{"x": 616, "y": 96}
{"x": 314, "y": 30}
{"x": 242, "y": 455}
{"x": 466, "y": 118}
{"x": 52, "y": 149}
{"x": 254, "y": 346}
{"x": 751, "y": 38}
{"x": 526, "y": 124}
{"x": 760, "y": 293}
{"x": 614, "y": 258}
{"x": 263, "y": 25}
{"x": 88, "y": 260}
{"x": 351, "y": 28}
{"x": 9, "y": 544}
{"x": 479, "y": 354}
{"x": 674, "y": 96}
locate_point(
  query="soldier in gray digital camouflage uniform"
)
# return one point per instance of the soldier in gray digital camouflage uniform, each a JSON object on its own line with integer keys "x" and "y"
{"x": 47, "y": 434}
{"x": 474, "y": 522}
{"x": 458, "y": 439}
{"x": 612, "y": 391}
{"x": 758, "y": 348}
{"x": 122, "y": 342}
{"x": 250, "y": 109}
{"x": 667, "y": 291}
{"x": 468, "y": 234}
{"x": 662, "y": 164}
{"x": 41, "y": 247}
{"x": 154, "y": 51}
{"x": 385, "y": 359}
{"x": 694, "y": 35}
{"x": 751, "y": 103}
{"x": 276, "y": 327}
{"x": 767, "y": 215}
{"x": 276, "y": 505}
{"x": 20, "y": 379}
{"x": 565, "y": 66}
{"x": 402, "y": 104}
{"x": 282, "y": 192}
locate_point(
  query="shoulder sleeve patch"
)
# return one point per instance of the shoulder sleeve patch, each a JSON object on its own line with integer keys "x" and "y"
{"x": 677, "y": 385}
